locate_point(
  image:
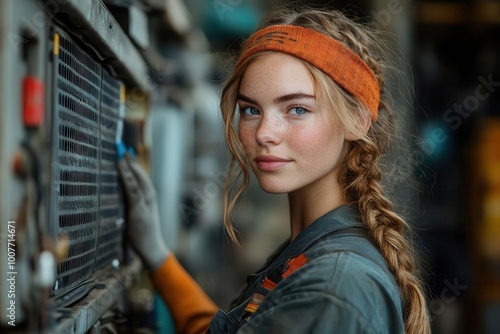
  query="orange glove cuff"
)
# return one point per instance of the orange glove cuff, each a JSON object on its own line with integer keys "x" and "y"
{"x": 191, "y": 309}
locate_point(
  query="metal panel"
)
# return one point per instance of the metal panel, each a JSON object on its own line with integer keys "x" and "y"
{"x": 86, "y": 199}
{"x": 75, "y": 159}
{"x": 111, "y": 199}
{"x": 101, "y": 29}
{"x": 15, "y": 24}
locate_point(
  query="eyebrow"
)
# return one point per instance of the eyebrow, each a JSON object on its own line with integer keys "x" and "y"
{"x": 279, "y": 99}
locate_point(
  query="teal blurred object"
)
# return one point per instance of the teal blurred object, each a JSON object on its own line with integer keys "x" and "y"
{"x": 436, "y": 141}
{"x": 225, "y": 21}
{"x": 165, "y": 322}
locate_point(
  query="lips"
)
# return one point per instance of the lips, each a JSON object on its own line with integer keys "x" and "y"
{"x": 269, "y": 163}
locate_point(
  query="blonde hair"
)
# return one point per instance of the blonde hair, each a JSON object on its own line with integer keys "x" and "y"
{"x": 361, "y": 178}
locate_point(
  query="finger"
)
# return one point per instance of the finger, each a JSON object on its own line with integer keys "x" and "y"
{"x": 142, "y": 178}
{"x": 132, "y": 189}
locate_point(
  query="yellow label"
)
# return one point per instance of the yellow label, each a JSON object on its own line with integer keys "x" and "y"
{"x": 122, "y": 93}
{"x": 56, "y": 44}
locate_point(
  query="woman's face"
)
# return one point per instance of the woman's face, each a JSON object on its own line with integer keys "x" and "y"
{"x": 288, "y": 137}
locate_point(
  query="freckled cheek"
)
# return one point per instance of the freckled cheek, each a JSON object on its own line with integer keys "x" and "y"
{"x": 313, "y": 145}
{"x": 246, "y": 135}
{"x": 303, "y": 140}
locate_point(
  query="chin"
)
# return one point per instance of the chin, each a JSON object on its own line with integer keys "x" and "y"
{"x": 273, "y": 188}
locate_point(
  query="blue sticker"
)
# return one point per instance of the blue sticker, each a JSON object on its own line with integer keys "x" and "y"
{"x": 120, "y": 149}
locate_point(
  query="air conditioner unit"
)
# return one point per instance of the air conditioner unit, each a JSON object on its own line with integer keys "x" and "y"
{"x": 87, "y": 107}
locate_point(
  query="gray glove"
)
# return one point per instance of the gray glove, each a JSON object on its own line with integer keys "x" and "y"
{"x": 143, "y": 227}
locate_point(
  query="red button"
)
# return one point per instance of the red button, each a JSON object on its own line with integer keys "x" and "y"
{"x": 33, "y": 101}
{"x": 17, "y": 164}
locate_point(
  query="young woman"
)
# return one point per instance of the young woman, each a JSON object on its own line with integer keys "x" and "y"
{"x": 305, "y": 109}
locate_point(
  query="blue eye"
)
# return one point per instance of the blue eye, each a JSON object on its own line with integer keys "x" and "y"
{"x": 249, "y": 111}
{"x": 298, "y": 111}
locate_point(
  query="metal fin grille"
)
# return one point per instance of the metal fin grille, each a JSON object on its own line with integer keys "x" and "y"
{"x": 111, "y": 212}
{"x": 86, "y": 204}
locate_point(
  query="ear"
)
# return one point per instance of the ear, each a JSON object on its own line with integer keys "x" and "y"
{"x": 361, "y": 126}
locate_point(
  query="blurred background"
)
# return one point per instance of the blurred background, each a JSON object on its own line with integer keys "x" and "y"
{"x": 79, "y": 76}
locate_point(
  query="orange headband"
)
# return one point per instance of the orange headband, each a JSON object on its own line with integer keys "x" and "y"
{"x": 344, "y": 66}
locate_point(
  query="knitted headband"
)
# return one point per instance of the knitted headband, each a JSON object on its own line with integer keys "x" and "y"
{"x": 344, "y": 66}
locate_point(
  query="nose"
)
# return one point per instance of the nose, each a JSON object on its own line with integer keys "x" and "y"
{"x": 269, "y": 130}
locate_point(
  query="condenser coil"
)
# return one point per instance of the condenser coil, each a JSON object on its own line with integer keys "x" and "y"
{"x": 86, "y": 199}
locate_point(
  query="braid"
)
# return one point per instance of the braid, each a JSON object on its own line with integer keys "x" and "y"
{"x": 362, "y": 179}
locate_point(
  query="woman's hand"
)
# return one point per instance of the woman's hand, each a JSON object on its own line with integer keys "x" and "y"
{"x": 143, "y": 222}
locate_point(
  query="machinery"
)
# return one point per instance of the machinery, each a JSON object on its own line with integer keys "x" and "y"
{"x": 71, "y": 72}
